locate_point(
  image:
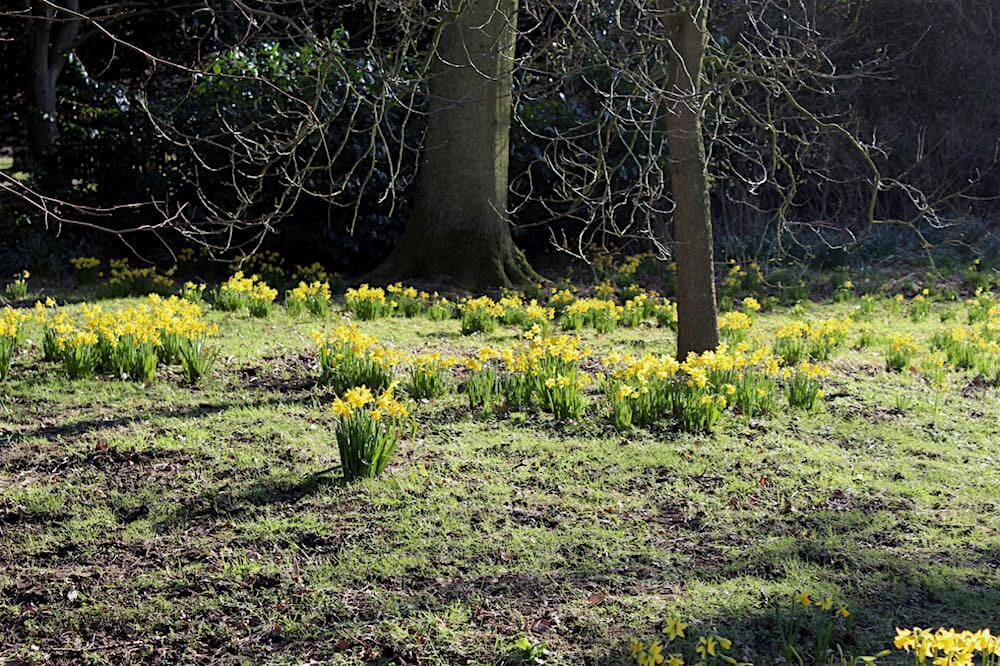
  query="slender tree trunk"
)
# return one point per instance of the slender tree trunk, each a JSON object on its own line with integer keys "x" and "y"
{"x": 458, "y": 230}
{"x": 697, "y": 318}
{"x": 49, "y": 36}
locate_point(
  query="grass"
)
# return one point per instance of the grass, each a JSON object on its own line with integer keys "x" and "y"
{"x": 170, "y": 524}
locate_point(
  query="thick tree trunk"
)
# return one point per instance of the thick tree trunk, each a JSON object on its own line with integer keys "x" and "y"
{"x": 49, "y": 36}
{"x": 458, "y": 230}
{"x": 697, "y": 318}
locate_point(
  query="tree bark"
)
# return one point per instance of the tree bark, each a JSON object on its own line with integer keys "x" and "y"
{"x": 49, "y": 35}
{"x": 459, "y": 231}
{"x": 697, "y": 317}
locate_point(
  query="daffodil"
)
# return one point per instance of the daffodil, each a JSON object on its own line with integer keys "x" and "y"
{"x": 674, "y": 628}
{"x": 706, "y": 647}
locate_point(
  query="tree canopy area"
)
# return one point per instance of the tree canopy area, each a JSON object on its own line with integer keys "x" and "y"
{"x": 500, "y": 331}
{"x": 223, "y": 122}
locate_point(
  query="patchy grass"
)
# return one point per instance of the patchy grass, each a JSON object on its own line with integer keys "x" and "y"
{"x": 169, "y": 524}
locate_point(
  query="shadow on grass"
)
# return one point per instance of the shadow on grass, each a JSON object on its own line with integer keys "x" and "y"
{"x": 217, "y": 503}
{"x": 85, "y": 427}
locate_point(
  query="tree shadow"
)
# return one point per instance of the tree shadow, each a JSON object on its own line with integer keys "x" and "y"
{"x": 217, "y": 503}
{"x": 86, "y": 427}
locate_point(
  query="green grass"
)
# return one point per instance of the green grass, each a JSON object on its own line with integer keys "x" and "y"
{"x": 191, "y": 525}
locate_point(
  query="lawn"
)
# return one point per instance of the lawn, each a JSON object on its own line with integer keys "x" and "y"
{"x": 164, "y": 523}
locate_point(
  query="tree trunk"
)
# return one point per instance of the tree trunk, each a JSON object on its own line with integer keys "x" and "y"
{"x": 49, "y": 38}
{"x": 697, "y": 318}
{"x": 458, "y": 230}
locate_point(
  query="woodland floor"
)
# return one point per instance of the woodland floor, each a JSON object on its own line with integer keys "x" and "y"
{"x": 167, "y": 524}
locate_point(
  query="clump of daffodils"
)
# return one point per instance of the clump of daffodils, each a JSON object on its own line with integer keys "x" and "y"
{"x": 981, "y": 307}
{"x": 900, "y": 352}
{"x": 812, "y": 627}
{"x": 85, "y": 269}
{"x": 408, "y": 301}
{"x": 665, "y": 313}
{"x": 241, "y": 291}
{"x": 542, "y": 371}
{"x": 642, "y": 389}
{"x": 734, "y": 327}
{"x": 964, "y": 346}
{"x": 193, "y": 292}
{"x": 844, "y": 292}
{"x": 516, "y": 312}
{"x": 348, "y": 358}
{"x": 17, "y": 289}
{"x": 636, "y": 309}
{"x": 261, "y": 300}
{"x": 480, "y": 315}
{"x": 124, "y": 280}
{"x": 439, "y": 308}
{"x": 313, "y": 298}
{"x": 799, "y": 340}
{"x": 10, "y": 332}
{"x": 676, "y": 648}
{"x": 481, "y": 385}
{"x": 803, "y": 384}
{"x": 560, "y": 299}
{"x": 920, "y": 306}
{"x": 948, "y": 647}
{"x": 367, "y": 303}
{"x": 599, "y": 314}
{"x": 428, "y": 375}
{"x": 368, "y": 430}
{"x": 130, "y": 342}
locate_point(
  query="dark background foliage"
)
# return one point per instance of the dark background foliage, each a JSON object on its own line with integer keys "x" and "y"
{"x": 931, "y": 106}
